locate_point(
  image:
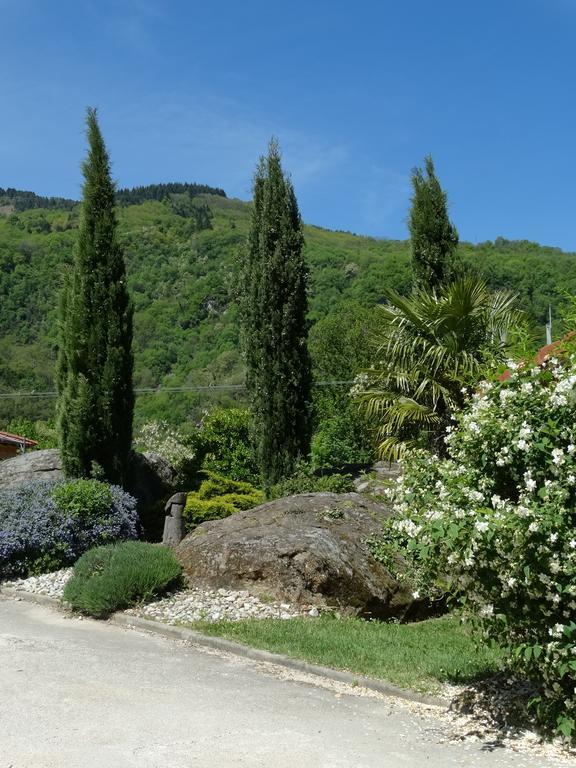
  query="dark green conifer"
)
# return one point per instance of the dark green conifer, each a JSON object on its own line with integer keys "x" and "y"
{"x": 434, "y": 238}
{"x": 275, "y": 330}
{"x": 95, "y": 362}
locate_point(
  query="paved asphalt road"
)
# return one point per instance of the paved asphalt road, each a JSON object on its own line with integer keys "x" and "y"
{"x": 82, "y": 694}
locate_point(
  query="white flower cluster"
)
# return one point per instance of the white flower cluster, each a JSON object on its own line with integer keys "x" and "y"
{"x": 496, "y": 519}
{"x": 159, "y": 437}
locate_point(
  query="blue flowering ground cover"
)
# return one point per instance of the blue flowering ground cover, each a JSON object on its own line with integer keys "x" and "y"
{"x": 46, "y": 526}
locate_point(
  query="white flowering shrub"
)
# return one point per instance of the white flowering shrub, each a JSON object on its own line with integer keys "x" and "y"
{"x": 169, "y": 443}
{"x": 494, "y": 524}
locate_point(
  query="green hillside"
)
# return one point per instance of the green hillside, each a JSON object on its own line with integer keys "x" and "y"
{"x": 181, "y": 255}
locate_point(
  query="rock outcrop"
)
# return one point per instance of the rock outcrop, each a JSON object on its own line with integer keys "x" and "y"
{"x": 29, "y": 467}
{"x": 310, "y": 549}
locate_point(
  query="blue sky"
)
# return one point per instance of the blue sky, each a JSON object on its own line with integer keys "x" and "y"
{"x": 356, "y": 92}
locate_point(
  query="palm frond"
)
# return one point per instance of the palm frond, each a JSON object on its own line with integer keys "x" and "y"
{"x": 431, "y": 344}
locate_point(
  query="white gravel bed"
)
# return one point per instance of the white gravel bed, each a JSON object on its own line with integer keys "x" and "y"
{"x": 51, "y": 584}
{"x": 216, "y": 605}
{"x": 182, "y": 606}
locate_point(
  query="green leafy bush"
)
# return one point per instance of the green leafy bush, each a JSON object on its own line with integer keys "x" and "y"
{"x": 219, "y": 497}
{"x": 226, "y": 444}
{"x": 494, "y": 524}
{"x": 342, "y": 438}
{"x": 305, "y": 481}
{"x": 89, "y": 499}
{"x": 106, "y": 579}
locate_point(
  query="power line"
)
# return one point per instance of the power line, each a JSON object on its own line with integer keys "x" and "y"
{"x": 159, "y": 390}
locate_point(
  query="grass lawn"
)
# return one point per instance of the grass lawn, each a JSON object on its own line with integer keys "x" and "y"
{"x": 419, "y": 656}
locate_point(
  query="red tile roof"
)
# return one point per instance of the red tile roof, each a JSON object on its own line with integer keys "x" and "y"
{"x": 10, "y": 439}
{"x": 543, "y": 353}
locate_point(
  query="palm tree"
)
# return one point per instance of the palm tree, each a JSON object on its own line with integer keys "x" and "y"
{"x": 433, "y": 344}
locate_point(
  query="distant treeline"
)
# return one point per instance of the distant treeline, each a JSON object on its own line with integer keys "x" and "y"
{"x": 22, "y": 200}
{"x": 137, "y": 195}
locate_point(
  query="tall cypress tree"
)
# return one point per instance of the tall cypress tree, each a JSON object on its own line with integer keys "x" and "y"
{"x": 95, "y": 361}
{"x": 434, "y": 238}
{"x": 275, "y": 330}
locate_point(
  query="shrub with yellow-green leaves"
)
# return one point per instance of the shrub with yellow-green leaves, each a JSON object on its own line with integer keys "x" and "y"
{"x": 219, "y": 497}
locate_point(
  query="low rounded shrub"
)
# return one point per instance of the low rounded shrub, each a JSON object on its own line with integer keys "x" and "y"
{"x": 218, "y": 485}
{"x": 84, "y": 499}
{"x": 116, "y": 576}
{"x": 199, "y": 510}
{"x": 46, "y": 526}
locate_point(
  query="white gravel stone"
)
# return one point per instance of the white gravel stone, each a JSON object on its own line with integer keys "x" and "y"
{"x": 51, "y": 584}
{"x": 181, "y": 607}
{"x": 214, "y": 605}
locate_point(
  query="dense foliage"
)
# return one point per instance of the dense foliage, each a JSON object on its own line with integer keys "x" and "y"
{"x": 219, "y": 497}
{"x": 304, "y": 480}
{"x": 433, "y": 237}
{"x": 95, "y": 397}
{"x": 42, "y": 432}
{"x": 494, "y": 524}
{"x": 44, "y": 526}
{"x": 274, "y": 310}
{"x": 225, "y": 444}
{"x": 183, "y": 285}
{"x": 221, "y": 442}
{"x": 116, "y": 576}
{"x": 341, "y": 344}
{"x": 432, "y": 345}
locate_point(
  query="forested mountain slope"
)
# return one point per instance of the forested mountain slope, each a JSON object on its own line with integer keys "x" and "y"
{"x": 182, "y": 254}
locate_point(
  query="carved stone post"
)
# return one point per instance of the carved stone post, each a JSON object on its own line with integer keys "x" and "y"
{"x": 173, "y": 523}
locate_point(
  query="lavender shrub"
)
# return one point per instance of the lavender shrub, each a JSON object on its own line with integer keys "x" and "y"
{"x": 45, "y": 526}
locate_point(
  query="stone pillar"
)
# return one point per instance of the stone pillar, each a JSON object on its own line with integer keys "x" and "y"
{"x": 173, "y": 523}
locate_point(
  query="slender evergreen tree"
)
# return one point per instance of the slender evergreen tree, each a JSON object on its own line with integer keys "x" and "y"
{"x": 275, "y": 330}
{"x": 434, "y": 238}
{"x": 95, "y": 362}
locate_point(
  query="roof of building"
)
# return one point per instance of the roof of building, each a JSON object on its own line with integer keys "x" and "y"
{"x": 7, "y": 438}
{"x": 543, "y": 353}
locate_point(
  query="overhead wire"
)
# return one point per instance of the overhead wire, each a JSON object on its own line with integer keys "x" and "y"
{"x": 160, "y": 389}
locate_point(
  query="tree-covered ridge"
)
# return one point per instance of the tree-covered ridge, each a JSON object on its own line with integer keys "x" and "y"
{"x": 184, "y": 283}
{"x": 136, "y": 195}
{"x": 22, "y": 200}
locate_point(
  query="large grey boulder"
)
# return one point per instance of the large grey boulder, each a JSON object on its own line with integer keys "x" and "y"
{"x": 310, "y": 549}
{"x": 29, "y": 467}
